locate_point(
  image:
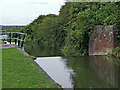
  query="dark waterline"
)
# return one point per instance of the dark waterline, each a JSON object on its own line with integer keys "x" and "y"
{"x": 77, "y": 72}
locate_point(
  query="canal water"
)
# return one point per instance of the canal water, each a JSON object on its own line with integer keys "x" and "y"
{"x": 78, "y": 72}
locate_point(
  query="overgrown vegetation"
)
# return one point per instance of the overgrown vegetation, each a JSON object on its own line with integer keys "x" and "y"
{"x": 19, "y": 71}
{"x": 116, "y": 52}
{"x": 70, "y": 30}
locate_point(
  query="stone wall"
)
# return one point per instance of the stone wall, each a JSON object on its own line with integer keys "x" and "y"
{"x": 103, "y": 40}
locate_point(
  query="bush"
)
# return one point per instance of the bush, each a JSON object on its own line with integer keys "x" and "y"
{"x": 116, "y": 51}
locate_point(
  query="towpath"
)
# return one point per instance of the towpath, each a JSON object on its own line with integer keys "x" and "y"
{"x": 7, "y": 45}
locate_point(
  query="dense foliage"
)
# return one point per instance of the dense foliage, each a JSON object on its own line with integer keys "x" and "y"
{"x": 71, "y": 29}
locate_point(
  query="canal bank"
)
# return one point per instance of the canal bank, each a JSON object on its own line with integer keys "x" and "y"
{"x": 40, "y": 68}
{"x": 20, "y": 71}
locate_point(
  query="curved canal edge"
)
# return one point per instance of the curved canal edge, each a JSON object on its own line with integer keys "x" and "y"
{"x": 33, "y": 57}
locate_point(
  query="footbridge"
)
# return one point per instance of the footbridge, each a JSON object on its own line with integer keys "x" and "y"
{"x": 16, "y": 38}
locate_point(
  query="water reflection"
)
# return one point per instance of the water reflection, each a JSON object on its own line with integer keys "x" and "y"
{"x": 105, "y": 69}
{"x": 57, "y": 70}
{"x": 41, "y": 51}
{"x": 89, "y": 71}
{"x": 94, "y": 72}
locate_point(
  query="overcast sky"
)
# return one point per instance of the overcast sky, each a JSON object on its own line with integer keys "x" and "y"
{"x": 22, "y": 12}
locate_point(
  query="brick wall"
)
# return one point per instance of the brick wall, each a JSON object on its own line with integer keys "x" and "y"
{"x": 103, "y": 40}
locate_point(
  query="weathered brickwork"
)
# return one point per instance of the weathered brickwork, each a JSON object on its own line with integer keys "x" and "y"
{"x": 103, "y": 40}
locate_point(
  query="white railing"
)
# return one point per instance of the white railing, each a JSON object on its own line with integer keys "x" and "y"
{"x": 18, "y": 37}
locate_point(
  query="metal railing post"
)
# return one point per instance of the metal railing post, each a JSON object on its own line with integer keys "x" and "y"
{"x": 16, "y": 38}
{"x": 23, "y": 40}
{"x": 19, "y": 41}
{"x": 10, "y": 37}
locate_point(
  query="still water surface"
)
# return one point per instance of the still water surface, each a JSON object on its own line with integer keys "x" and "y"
{"x": 77, "y": 72}
{"x": 56, "y": 68}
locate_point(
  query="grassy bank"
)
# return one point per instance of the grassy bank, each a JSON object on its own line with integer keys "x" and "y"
{"x": 19, "y": 71}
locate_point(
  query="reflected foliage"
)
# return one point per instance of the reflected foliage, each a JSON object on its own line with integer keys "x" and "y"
{"x": 41, "y": 51}
{"x": 91, "y": 72}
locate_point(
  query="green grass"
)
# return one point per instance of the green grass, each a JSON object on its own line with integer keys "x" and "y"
{"x": 20, "y": 71}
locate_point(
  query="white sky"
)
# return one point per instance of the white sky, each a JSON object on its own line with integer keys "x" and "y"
{"x": 22, "y": 12}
